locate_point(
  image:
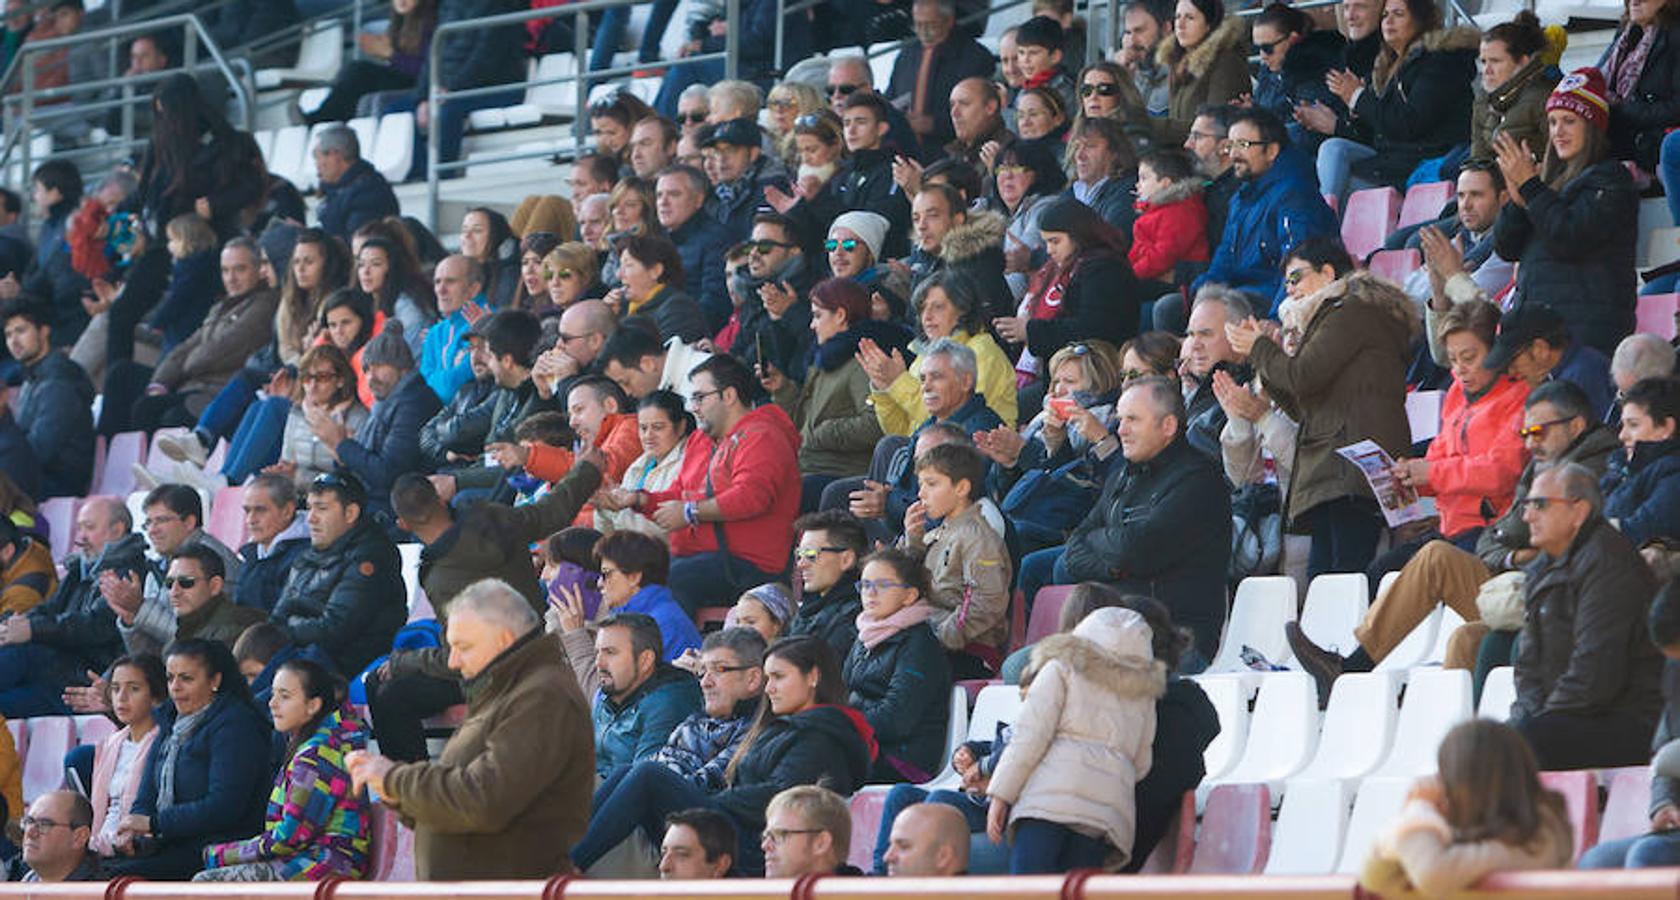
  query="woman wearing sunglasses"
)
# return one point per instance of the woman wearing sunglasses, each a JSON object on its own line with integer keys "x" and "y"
{"x": 569, "y": 275}
{"x": 1107, "y": 91}
{"x": 1294, "y": 59}
{"x": 790, "y": 101}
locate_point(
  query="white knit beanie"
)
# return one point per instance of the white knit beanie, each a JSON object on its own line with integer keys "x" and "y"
{"x": 870, "y": 227}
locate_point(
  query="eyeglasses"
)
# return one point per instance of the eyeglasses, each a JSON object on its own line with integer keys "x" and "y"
{"x": 1245, "y": 143}
{"x": 1132, "y": 374}
{"x": 187, "y": 582}
{"x": 552, "y": 274}
{"x": 29, "y": 822}
{"x": 323, "y": 375}
{"x": 697, "y": 396}
{"x": 865, "y": 586}
{"x": 691, "y": 118}
{"x": 844, "y": 90}
{"x": 779, "y": 836}
{"x": 783, "y": 103}
{"x": 1206, "y": 136}
{"x": 1540, "y": 503}
{"x": 159, "y": 520}
{"x": 1012, "y": 170}
{"x": 848, "y": 245}
{"x": 809, "y": 554}
{"x": 765, "y": 246}
{"x": 1266, "y": 48}
{"x": 1538, "y": 429}
{"x": 1101, "y": 89}
{"x": 719, "y": 670}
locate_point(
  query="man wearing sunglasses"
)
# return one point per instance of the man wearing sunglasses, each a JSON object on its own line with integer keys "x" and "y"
{"x": 197, "y": 596}
{"x": 929, "y": 69}
{"x": 141, "y": 601}
{"x": 850, "y": 76}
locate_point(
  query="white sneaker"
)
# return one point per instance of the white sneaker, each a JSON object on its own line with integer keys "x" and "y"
{"x": 184, "y": 448}
{"x": 144, "y": 478}
{"x": 195, "y": 476}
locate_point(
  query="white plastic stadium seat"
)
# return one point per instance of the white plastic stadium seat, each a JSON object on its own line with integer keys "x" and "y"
{"x": 291, "y": 153}
{"x": 1312, "y": 820}
{"x": 1258, "y": 614}
{"x": 320, "y": 56}
{"x": 1335, "y": 604}
{"x": 1285, "y": 720}
{"x": 1379, "y": 801}
{"x": 1230, "y": 699}
{"x": 393, "y": 146}
{"x": 1498, "y": 693}
{"x": 1435, "y": 701}
{"x": 1359, "y": 725}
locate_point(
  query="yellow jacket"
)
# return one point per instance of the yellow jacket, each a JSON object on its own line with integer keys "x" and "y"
{"x": 899, "y": 408}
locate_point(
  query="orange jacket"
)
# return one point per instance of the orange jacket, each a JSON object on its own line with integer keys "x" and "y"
{"x": 1478, "y": 456}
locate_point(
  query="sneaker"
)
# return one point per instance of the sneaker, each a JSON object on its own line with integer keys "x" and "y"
{"x": 185, "y": 448}
{"x": 144, "y": 478}
{"x": 1321, "y": 664}
{"x": 195, "y": 476}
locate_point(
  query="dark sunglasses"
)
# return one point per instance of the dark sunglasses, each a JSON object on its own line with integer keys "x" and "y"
{"x": 1105, "y": 89}
{"x": 1266, "y": 48}
{"x": 765, "y": 246}
{"x": 848, "y": 245}
{"x": 844, "y": 90}
{"x": 187, "y": 582}
{"x": 692, "y": 118}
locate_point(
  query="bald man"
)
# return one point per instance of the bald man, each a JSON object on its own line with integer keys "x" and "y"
{"x": 929, "y": 840}
{"x": 976, "y": 119}
{"x": 584, "y": 329}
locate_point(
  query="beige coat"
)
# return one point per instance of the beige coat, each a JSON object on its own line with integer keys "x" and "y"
{"x": 1082, "y": 739}
{"x": 1418, "y": 856}
{"x": 969, "y": 567}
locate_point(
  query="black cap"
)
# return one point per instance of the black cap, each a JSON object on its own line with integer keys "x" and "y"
{"x": 1520, "y": 327}
{"x": 740, "y": 132}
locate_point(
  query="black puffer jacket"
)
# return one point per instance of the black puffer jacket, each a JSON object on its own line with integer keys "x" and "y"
{"x": 461, "y": 426}
{"x": 348, "y": 598}
{"x": 1302, "y": 77}
{"x": 76, "y": 621}
{"x": 1575, "y": 252}
{"x": 828, "y": 745}
{"x": 1185, "y": 723}
{"x": 831, "y": 616}
{"x": 53, "y": 409}
{"x": 903, "y": 687}
{"x": 1639, "y": 123}
{"x": 1422, "y": 109}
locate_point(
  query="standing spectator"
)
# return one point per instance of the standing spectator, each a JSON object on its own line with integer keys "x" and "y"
{"x": 929, "y": 69}
{"x": 524, "y": 748}
{"x": 388, "y": 443}
{"x": 1206, "y": 59}
{"x": 353, "y": 191}
{"x": 1557, "y": 227}
{"x": 196, "y": 162}
{"x": 897, "y": 674}
{"x": 53, "y": 404}
{"x": 1516, "y": 82}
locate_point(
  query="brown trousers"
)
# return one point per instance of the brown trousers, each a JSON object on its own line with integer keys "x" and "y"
{"x": 1439, "y": 573}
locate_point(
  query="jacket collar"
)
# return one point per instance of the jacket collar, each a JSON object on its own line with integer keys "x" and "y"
{"x": 197, "y": 619}
{"x": 506, "y": 668}
{"x": 298, "y": 530}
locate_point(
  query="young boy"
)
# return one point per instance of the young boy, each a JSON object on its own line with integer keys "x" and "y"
{"x": 1038, "y": 52}
{"x": 1171, "y": 226}
{"x": 967, "y": 561}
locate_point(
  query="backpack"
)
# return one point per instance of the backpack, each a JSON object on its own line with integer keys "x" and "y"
{"x": 1046, "y": 504}
{"x": 1256, "y": 531}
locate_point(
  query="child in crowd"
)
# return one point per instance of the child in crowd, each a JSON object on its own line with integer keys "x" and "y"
{"x": 967, "y": 562}
{"x": 765, "y": 609}
{"x": 1171, "y": 226}
{"x": 1485, "y": 812}
{"x": 135, "y": 686}
{"x": 261, "y": 650}
{"x": 570, "y": 569}
{"x": 897, "y": 673}
{"x": 1038, "y": 52}
{"x": 1063, "y": 790}
{"x": 194, "y": 281}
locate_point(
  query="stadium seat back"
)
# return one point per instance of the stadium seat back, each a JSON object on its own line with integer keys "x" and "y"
{"x": 1335, "y": 604}
{"x": 1396, "y": 265}
{"x": 227, "y": 517}
{"x": 1627, "y": 811}
{"x": 1359, "y": 724}
{"x": 1236, "y": 831}
{"x": 1376, "y": 807}
{"x": 1229, "y": 697}
{"x": 866, "y": 824}
{"x": 1424, "y": 202}
{"x": 1370, "y": 216}
{"x": 1285, "y": 724}
{"x": 1311, "y": 822}
{"x": 1435, "y": 701}
{"x": 93, "y": 729}
{"x": 50, "y": 737}
{"x": 1414, "y": 648}
{"x": 1047, "y": 611}
{"x": 1258, "y": 613}
{"x": 393, "y": 146}
{"x": 122, "y": 453}
{"x": 1580, "y": 796}
{"x": 1655, "y": 315}
{"x": 1172, "y": 853}
{"x": 1451, "y": 621}
{"x": 1498, "y": 693}
{"x": 60, "y": 513}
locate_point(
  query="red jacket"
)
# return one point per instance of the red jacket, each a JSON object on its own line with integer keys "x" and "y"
{"x": 1477, "y": 456}
{"x": 1171, "y": 228}
{"x": 755, "y": 480}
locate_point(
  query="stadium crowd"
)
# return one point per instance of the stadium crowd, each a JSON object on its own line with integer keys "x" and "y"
{"x": 853, "y": 370}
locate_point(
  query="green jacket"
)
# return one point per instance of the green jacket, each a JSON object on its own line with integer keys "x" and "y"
{"x": 837, "y": 426}
{"x": 220, "y": 620}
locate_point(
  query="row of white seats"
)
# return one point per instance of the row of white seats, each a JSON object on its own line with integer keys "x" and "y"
{"x": 387, "y": 143}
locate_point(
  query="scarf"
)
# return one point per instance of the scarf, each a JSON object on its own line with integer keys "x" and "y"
{"x": 872, "y": 631}
{"x": 1041, "y": 79}
{"x": 184, "y": 727}
{"x": 1627, "y": 62}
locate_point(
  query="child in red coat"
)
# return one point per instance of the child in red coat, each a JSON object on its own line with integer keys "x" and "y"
{"x": 1171, "y": 225}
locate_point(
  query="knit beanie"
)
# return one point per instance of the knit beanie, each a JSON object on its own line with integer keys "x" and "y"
{"x": 1583, "y": 93}
{"x": 776, "y": 600}
{"x": 871, "y": 228}
{"x": 389, "y": 348}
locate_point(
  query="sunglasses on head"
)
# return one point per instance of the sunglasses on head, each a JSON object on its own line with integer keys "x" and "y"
{"x": 1104, "y": 89}
{"x": 848, "y": 245}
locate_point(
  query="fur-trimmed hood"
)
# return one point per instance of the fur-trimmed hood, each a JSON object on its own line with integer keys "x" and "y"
{"x": 1113, "y": 648}
{"x": 1174, "y": 192}
{"x": 983, "y": 230}
{"x": 1360, "y": 287}
{"x": 1459, "y": 38}
{"x": 1536, "y": 73}
{"x": 1231, "y": 35}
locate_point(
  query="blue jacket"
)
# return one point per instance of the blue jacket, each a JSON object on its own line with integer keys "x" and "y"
{"x": 640, "y": 726}
{"x": 1589, "y": 370}
{"x": 262, "y": 686}
{"x": 1267, "y": 217}
{"x": 973, "y": 416}
{"x": 388, "y": 443}
{"x": 700, "y": 748}
{"x": 260, "y": 580}
{"x": 360, "y": 196}
{"x": 444, "y": 359}
{"x": 194, "y": 284}
{"x": 702, "y": 242}
{"x": 51, "y": 277}
{"x": 222, "y": 776}
{"x": 1642, "y": 492}
{"x": 674, "y": 625}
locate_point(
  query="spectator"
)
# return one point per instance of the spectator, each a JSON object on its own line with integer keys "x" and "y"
{"x": 1143, "y": 25}
{"x": 670, "y": 443}
{"x": 787, "y": 102}
{"x": 850, "y": 75}
{"x": 1294, "y": 58}
{"x": 740, "y": 172}
{"x": 345, "y": 593}
{"x": 143, "y": 603}
{"x": 1462, "y": 266}
{"x": 1639, "y": 74}
{"x": 525, "y": 748}
{"x": 757, "y": 62}
{"x": 27, "y": 576}
{"x": 388, "y": 443}
{"x": 1095, "y": 687}
{"x": 642, "y": 697}
{"x": 594, "y": 220}
{"x": 1639, "y": 487}
{"x": 585, "y": 328}
{"x": 896, "y": 673}
{"x": 1638, "y": 357}
{"x": 389, "y": 61}
{"x": 1039, "y": 44}
{"x": 278, "y": 536}
{"x": 968, "y": 565}
{"x": 654, "y": 275}
{"x": 477, "y": 58}
{"x": 390, "y": 274}
{"x": 1206, "y": 61}
{"x": 1556, "y": 206}
{"x": 196, "y": 596}
{"x": 51, "y": 858}
{"x": 203, "y": 779}
{"x": 1516, "y": 82}
{"x": 1601, "y": 681}
{"x": 653, "y": 146}
{"x": 53, "y": 404}
{"x": 1538, "y": 345}
{"x": 730, "y": 666}
{"x": 459, "y": 284}
{"x": 774, "y": 312}
{"x": 196, "y": 162}
{"x": 865, "y": 184}
{"x": 572, "y": 272}
{"x": 1106, "y": 91}
{"x": 766, "y": 609}
{"x": 275, "y": 433}
{"x": 928, "y": 840}
{"x": 1487, "y": 776}
{"x": 316, "y": 826}
{"x": 261, "y": 651}
{"x": 929, "y": 69}
{"x": 976, "y": 121}
{"x": 1105, "y": 172}
{"x": 1355, "y": 377}
{"x": 856, "y": 251}
{"x": 699, "y": 844}
{"x": 593, "y": 173}
{"x": 807, "y": 832}
{"x": 1041, "y": 117}
{"x": 487, "y": 238}
{"x": 56, "y": 192}
{"x": 949, "y": 235}
{"x": 509, "y": 349}
{"x": 1026, "y": 177}
{"x": 354, "y": 192}
{"x": 826, "y": 564}
{"x": 700, "y": 241}
{"x": 137, "y": 685}
{"x": 17, "y": 458}
{"x": 640, "y": 364}
{"x": 1171, "y": 226}
{"x": 1210, "y": 150}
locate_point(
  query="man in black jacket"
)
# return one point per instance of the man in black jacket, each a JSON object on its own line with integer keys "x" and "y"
{"x": 354, "y": 193}
{"x": 455, "y": 436}
{"x": 831, "y": 546}
{"x": 1162, "y": 526}
{"x": 680, "y": 201}
{"x": 510, "y": 350}
{"x": 279, "y": 536}
{"x": 54, "y": 405}
{"x": 951, "y": 58}
{"x": 480, "y": 57}
{"x": 740, "y": 171}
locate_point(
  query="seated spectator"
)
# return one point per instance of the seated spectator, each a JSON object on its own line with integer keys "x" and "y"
{"x": 977, "y": 119}
{"x": 1638, "y": 357}
{"x": 639, "y": 363}
{"x": 353, "y": 191}
{"x": 669, "y": 442}
{"x": 1171, "y": 226}
{"x": 614, "y": 114}
{"x": 389, "y": 61}
{"x": 1105, "y": 173}
{"x": 653, "y": 146}
{"x": 1561, "y": 208}
{"x": 1488, "y": 776}
{"x": 585, "y": 327}
{"x": 740, "y": 174}
{"x": 27, "y": 576}
{"x": 572, "y": 272}
{"x": 592, "y": 173}
{"x": 826, "y": 564}
{"x": 773, "y": 313}
{"x": 801, "y": 735}
{"x": 1346, "y": 382}
{"x": 1026, "y": 179}
{"x": 136, "y": 686}
{"x": 510, "y": 341}
{"x": 1460, "y": 263}
{"x": 1095, "y": 687}
{"x": 54, "y": 858}
{"x": 1516, "y": 81}
{"x": 17, "y": 459}
{"x": 896, "y": 673}
{"x": 851, "y": 75}
{"x": 349, "y": 321}
{"x": 261, "y": 651}
{"x": 1114, "y": 547}
{"x": 856, "y": 249}
{"x": 390, "y": 274}
{"x": 653, "y": 275}
{"x": 1207, "y": 355}
{"x": 1041, "y": 117}
{"x": 1107, "y": 91}
{"x": 1585, "y": 698}
{"x": 1639, "y": 71}
{"x": 633, "y": 573}
{"x": 949, "y": 235}
{"x": 1538, "y": 345}
{"x": 204, "y": 777}
{"x": 142, "y": 601}
{"x": 316, "y": 826}
{"x": 1294, "y": 58}
{"x": 928, "y": 840}
{"x": 346, "y": 593}
{"x": 388, "y": 443}
{"x": 1641, "y": 494}
{"x": 198, "y": 599}
{"x": 534, "y": 247}
{"x": 326, "y": 389}
{"x": 52, "y": 405}
{"x": 767, "y": 609}
{"x": 699, "y": 845}
{"x": 946, "y": 305}
{"x": 807, "y": 831}
{"x": 1416, "y": 106}
{"x": 459, "y": 284}
{"x": 1206, "y": 59}
{"x": 1211, "y": 154}
{"x": 968, "y": 564}
{"x": 525, "y": 746}
{"x": 488, "y": 239}
{"x": 1039, "y": 53}
{"x": 700, "y": 242}
{"x": 455, "y": 437}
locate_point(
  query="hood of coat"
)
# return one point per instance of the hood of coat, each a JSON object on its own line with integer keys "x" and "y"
{"x": 982, "y": 231}
{"x": 1460, "y": 38}
{"x": 1358, "y": 288}
{"x": 1174, "y": 192}
{"x": 845, "y": 726}
{"x": 1111, "y": 647}
{"x": 1232, "y": 34}
{"x": 1534, "y": 74}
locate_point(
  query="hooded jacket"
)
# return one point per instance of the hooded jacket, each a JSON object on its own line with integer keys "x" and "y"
{"x": 903, "y": 687}
{"x": 1574, "y": 252}
{"x": 1642, "y": 492}
{"x": 837, "y": 428}
{"x": 29, "y": 579}
{"x": 54, "y": 407}
{"x": 1214, "y": 71}
{"x": 1592, "y": 450}
{"x": 975, "y": 248}
{"x": 1083, "y": 738}
{"x": 1476, "y": 459}
{"x": 347, "y": 597}
{"x": 1171, "y": 228}
{"x": 507, "y": 797}
{"x": 1419, "y": 108}
{"x": 1301, "y": 80}
{"x": 831, "y": 615}
{"x": 829, "y": 745}
{"x": 1517, "y": 108}
{"x": 640, "y": 725}
{"x": 1641, "y": 120}
{"x": 1265, "y": 219}
{"x": 1346, "y": 384}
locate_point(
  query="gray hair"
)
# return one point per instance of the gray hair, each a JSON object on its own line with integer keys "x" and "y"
{"x": 1578, "y": 483}
{"x": 495, "y": 602}
{"x": 1642, "y": 356}
{"x": 593, "y": 200}
{"x": 280, "y": 488}
{"x": 959, "y": 355}
{"x": 474, "y": 271}
{"x": 340, "y": 139}
{"x": 747, "y": 645}
{"x": 947, "y": 8}
{"x": 1237, "y": 307}
{"x": 1163, "y": 395}
{"x": 742, "y": 95}
{"x": 853, "y": 59}
{"x": 696, "y": 92}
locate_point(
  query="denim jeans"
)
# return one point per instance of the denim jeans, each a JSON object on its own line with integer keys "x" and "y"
{"x": 1668, "y": 172}
{"x": 1336, "y": 157}
{"x": 640, "y": 797}
{"x": 713, "y": 579}
{"x": 1647, "y": 851}
{"x": 904, "y": 796}
{"x": 259, "y": 439}
{"x": 1040, "y": 568}
{"x": 610, "y": 33}
{"x": 27, "y": 683}
{"x": 1042, "y": 847}
{"x": 679, "y": 77}
{"x": 448, "y": 125}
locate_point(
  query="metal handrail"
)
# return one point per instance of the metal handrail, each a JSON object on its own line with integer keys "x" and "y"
{"x": 435, "y": 96}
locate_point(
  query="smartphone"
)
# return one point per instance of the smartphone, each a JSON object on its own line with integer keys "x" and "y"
{"x": 758, "y": 348}
{"x": 1064, "y": 407}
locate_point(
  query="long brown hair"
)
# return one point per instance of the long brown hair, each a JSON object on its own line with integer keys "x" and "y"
{"x": 805, "y": 653}
{"x": 298, "y": 308}
{"x": 1491, "y": 782}
{"x": 409, "y": 32}
{"x": 1558, "y": 172}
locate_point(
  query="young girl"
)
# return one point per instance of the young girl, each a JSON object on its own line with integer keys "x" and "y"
{"x": 1485, "y": 812}
{"x": 1171, "y": 226}
{"x": 137, "y": 684}
{"x": 194, "y": 281}
{"x": 765, "y": 609}
{"x": 897, "y": 672}
{"x": 348, "y": 321}
{"x": 316, "y": 826}
{"x": 1064, "y": 787}
{"x": 387, "y": 272}
{"x": 967, "y": 562}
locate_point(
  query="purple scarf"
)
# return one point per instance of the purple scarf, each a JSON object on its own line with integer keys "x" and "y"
{"x": 1627, "y": 63}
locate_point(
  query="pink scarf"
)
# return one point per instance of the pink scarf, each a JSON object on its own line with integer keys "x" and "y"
{"x": 872, "y": 631}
